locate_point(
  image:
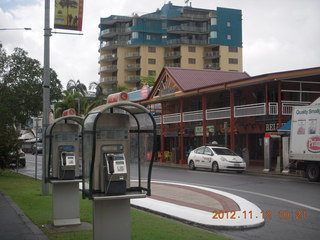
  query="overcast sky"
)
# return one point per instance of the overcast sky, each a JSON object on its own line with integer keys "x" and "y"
{"x": 278, "y": 35}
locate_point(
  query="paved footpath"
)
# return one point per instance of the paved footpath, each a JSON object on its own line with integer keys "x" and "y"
{"x": 14, "y": 225}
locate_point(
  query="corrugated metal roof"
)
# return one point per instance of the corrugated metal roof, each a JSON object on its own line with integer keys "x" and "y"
{"x": 190, "y": 79}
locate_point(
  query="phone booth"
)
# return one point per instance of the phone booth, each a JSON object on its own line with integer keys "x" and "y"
{"x": 63, "y": 171}
{"x": 118, "y": 152}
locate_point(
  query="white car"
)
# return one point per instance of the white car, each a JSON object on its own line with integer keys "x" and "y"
{"x": 215, "y": 158}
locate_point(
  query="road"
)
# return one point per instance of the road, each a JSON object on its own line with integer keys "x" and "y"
{"x": 277, "y": 196}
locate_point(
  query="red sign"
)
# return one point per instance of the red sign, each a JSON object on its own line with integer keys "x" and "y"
{"x": 69, "y": 111}
{"x": 145, "y": 91}
{"x": 313, "y": 144}
{"x": 116, "y": 97}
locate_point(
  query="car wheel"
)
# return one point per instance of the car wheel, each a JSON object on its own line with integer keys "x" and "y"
{"x": 313, "y": 172}
{"x": 191, "y": 165}
{"x": 215, "y": 167}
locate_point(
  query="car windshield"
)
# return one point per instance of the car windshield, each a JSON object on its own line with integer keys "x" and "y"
{"x": 224, "y": 151}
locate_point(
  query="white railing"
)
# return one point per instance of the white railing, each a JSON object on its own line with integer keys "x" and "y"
{"x": 256, "y": 109}
{"x": 218, "y": 113}
{"x": 273, "y": 108}
{"x": 157, "y": 119}
{"x": 171, "y": 118}
{"x": 192, "y": 116}
{"x": 288, "y": 106}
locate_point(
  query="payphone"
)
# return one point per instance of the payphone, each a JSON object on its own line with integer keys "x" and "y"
{"x": 117, "y": 137}
{"x": 63, "y": 144}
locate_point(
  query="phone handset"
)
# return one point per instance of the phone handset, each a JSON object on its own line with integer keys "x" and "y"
{"x": 64, "y": 161}
{"x": 110, "y": 159}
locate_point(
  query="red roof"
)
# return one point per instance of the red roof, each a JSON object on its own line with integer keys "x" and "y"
{"x": 190, "y": 79}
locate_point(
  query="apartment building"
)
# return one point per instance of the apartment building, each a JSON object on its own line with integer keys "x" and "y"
{"x": 135, "y": 46}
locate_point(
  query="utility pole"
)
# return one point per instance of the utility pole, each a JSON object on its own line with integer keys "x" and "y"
{"x": 46, "y": 92}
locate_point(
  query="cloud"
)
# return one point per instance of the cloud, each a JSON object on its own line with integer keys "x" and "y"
{"x": 277, "y": 35}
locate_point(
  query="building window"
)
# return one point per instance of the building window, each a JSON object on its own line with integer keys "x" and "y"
{"x": 229, "y": 37}
{"x": 233, "y": 60}
{"x": 192, "y": 60}
{"x": 151, "y": 73}
{"x": 135, "y": 35}
{"x": 228, "y": 24}
{"x": 213, "y": 34}
{"x": 233, "y": 49}
{"x": 148, "y": 37}
{"x": 192, "y": 49}
{"x": 213, "y": 21}
{"x": 152, "y": 49}
{"x": 151, "y": 61}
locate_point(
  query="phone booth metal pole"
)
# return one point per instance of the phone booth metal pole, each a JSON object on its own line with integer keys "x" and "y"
{"x": 118, "y": 152}
{"x": 62, "y": 168}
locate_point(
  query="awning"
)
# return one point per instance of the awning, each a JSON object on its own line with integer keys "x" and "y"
{"x": 285, "y": 127}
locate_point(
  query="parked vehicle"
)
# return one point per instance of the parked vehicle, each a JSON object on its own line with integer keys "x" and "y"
{"x": 304, "y": 150}
{"x": 37, "y": 148}
{"x": 20, "y": 159}
{"x": 216, "y": 158}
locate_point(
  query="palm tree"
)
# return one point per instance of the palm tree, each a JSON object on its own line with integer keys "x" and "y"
{"x": 77, "y": 86}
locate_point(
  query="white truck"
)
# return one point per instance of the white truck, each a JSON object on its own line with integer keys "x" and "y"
{"x": 305, "y": 140}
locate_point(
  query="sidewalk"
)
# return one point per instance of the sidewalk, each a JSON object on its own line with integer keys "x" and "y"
{"x": 14, "y": 225}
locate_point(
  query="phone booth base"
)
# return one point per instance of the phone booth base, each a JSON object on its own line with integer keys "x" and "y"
{"x": 112, "y": 218}
{"x": 65, "y": 202}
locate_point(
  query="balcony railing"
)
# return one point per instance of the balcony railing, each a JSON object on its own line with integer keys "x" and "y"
{"x": 187, "y": 41}
{"x": 218, "y": 113}
{"x": 171, "y": 118}
{"x": 173, "y": 55}
{"x": 214, "y": 66}
{"x": 133, "y": 79}
{"x": 288, "y": 106}
{"x": 248, "y": 110}
{"x": 108, "y": 80}
{"x": 181, "y": 28}
{"x": 110, "y": 68}
{"x": 193, "y": 116}
{"x": 172, "y": 64}
{"x": 210, "y": 55}
{"x": 273, "y": 108}
{"x": 133, "y": 55}
{"x": 107, "y": 57}
{"x": 256, "y": 109}
{"x": 133, "y": 67}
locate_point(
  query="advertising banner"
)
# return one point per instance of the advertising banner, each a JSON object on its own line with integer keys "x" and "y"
{"x": 68, "y": 14}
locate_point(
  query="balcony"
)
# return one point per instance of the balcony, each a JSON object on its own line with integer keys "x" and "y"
{"x": 108, "y": 69}
{"x": 133, "y": 79}
{"x": 213, "y": 66}
{"x": 113, "y": 44}
{"x": 218, "y": 113}
{"x": 133, "y": 67}
{"x": 171, "y": 118}
{"x": 172, "y": 64}
{"x": 111, "y": 32}
{"x": 250, "y": 110}
{"x": 186, "y": 41}
{"x": 133, "y": 55}
{"x": 192, "y": 116}
{"x": 108, "y": 58}
{"x": 108, "y": 80}
{"x": 172, "y": 55}
{"x": 211, "y": 55}
{"x": 179, "y": 29}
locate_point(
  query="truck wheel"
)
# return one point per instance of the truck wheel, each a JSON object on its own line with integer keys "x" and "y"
{"x": 313, "y": 172}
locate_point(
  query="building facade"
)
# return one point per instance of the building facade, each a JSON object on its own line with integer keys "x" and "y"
{"x": 175, "y": 36}
{"x": 194, "y": 107}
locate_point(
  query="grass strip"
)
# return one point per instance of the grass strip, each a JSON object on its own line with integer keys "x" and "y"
{"x": 26, "y": 193}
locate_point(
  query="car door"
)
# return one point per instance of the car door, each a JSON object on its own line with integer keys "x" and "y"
{"x": 207, "y": 157}
{"x": 198, "y": 157}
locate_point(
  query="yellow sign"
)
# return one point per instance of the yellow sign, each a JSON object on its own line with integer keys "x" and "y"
{"x": 68, "y": 14}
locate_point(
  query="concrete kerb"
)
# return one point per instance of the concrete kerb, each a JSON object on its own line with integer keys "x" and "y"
{"x": 249, "y": 216}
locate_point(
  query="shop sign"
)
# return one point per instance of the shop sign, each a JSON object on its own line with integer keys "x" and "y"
{"x": 271, "y": 127}
{"x": 198, "y": 131}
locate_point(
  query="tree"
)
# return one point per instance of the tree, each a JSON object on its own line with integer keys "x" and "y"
{"x": 21, "y": 97}
{"x": 77, "y": 86}
{"x": 149, "y": 80}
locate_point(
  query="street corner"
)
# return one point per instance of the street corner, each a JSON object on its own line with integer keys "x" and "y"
{"x": 202, "y": 206}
